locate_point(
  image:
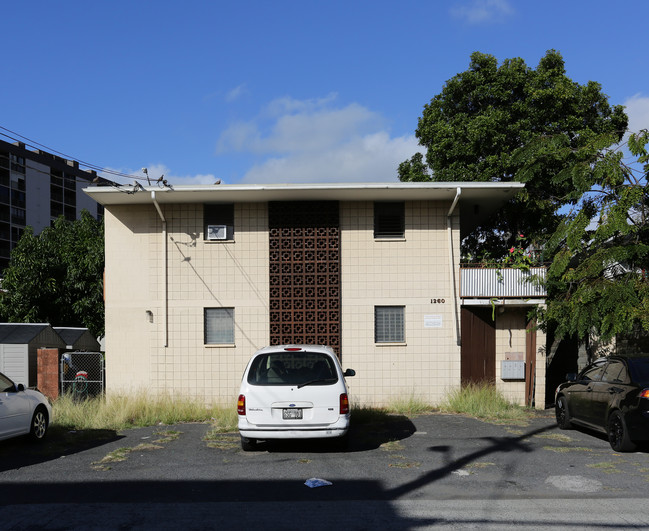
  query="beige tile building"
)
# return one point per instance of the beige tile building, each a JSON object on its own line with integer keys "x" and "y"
{"x": 198, "y": 278}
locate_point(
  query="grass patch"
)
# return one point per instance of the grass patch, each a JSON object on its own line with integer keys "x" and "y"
{"x": 166, "y": 435}
{"x": 392, "y": 446}
{"x": 554, "y": 437}
{"x": 410, "y": 406}
{"x": 121, "y": 412}
{"x": 565, "y": 450}
{"x": 220, "y": 441}
{"x": 480, "y": 464}
{"x": 483, "y": 401}
{"x": 609, "y": 468}
{"x": 405, "y": 464}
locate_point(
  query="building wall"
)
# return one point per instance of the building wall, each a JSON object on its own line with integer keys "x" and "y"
{"x": 37, "y": 182}
{"x": 511, "y": 338}
{"x": 413, "y": 272}
{"x": 139, "y": 354}
{"x": 142, "y": 353}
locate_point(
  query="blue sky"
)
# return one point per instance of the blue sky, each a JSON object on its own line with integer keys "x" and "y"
{"x": 288, "y": 91}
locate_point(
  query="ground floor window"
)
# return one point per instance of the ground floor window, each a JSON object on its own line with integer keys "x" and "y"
{"x": 389, "y": 324}
{"x": 219, "y": 326}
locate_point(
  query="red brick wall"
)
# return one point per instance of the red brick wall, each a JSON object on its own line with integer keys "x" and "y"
{"x": 48, "y": 372}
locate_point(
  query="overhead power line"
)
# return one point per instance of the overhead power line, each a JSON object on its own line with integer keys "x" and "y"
{"x": 37, "y": 145}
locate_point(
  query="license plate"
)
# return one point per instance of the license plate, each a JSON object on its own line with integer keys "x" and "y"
{"x": 292, "y": 414}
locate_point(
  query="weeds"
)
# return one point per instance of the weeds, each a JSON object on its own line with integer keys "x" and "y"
{"x": 123, "y": 412}
{"x": 120, "y": 412}
{"x": 483, "y": 401}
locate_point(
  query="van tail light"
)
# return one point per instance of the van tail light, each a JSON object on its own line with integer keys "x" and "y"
{"x": 644, "y": 393}
{"x": 241, "y": 405}
{"x": 344, "y": 404}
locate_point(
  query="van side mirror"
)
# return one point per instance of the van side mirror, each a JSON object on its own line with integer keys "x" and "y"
{"x": 20, "y": 387}
{"x": 349, "y": 372}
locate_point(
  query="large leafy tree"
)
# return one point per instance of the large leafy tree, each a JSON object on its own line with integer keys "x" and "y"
{"x": 56, "y": 277}
{"x": 598, "y": 280}
{"x": 473, "y": 131}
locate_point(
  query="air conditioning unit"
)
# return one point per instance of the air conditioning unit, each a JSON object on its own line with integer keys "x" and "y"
{"x": 217, "y": 232}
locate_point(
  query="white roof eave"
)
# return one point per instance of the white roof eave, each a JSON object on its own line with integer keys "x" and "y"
{"x": 234, "y": 193}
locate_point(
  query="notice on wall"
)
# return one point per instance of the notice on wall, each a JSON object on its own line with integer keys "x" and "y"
{"x": 432, "y": 321}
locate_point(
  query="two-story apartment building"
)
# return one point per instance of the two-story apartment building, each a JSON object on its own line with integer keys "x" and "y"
{"x": 199, "y": 277}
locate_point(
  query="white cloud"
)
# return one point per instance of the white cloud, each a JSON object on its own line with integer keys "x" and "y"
{"x": 236, "y": 93}
{"x": 317, "y": 141}
{"x": 483, "y": 11}
{"x": 637, "y": 109}
{"x": 157, "y": 171}
{"x": 371, "y": 158}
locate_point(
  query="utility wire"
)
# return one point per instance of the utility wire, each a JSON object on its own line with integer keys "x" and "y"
{"x": 37, "y": 145}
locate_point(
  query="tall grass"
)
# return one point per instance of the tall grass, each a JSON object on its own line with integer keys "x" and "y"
{"x": 121, "y": 412}
{"x": 482, "y": 401}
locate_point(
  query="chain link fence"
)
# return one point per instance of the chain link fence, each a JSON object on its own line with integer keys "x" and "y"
{"x": 82, "y": 374}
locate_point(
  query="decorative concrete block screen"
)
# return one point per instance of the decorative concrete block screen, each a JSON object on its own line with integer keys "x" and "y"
{"x": 305, "y": 273}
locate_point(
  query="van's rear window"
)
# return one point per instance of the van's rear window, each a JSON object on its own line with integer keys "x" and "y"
{"x": 292, "y": 368}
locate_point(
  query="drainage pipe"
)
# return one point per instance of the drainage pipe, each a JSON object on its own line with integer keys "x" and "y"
{"x": 451, "y": 263}
{"x": 165, "y": 273}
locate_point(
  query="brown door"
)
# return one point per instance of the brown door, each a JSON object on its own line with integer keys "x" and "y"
{"x": 478, "y": 351}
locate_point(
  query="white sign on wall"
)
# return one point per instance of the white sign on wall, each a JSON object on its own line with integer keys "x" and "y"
{"x": 432, "y": 321}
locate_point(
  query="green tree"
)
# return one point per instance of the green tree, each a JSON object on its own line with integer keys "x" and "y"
{"x": 475, "y": 128}
{"x": 56, "y": 277}
{"x": 597, "y": 282}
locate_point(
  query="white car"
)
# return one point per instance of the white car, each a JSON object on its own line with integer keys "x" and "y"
{"x": 293, "y": 392}
{"x": 22, "y": 411}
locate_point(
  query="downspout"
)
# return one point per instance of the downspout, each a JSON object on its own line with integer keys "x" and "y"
{"x": 165, "y": 317}
{"x": 451, "y": 262}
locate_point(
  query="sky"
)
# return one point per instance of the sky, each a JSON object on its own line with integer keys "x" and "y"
{"x": 285, "y": 91}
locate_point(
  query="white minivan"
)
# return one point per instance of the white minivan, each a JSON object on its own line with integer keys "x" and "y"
{"x": 293, "y": 392}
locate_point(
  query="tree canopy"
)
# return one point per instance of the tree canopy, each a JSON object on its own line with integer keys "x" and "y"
{"x": 475, "y": 128}
{"x": 597, "y": 282}
{"x": 56, "y": 277}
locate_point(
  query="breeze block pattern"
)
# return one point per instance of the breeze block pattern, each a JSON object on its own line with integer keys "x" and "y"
{"x": 304, "y": 276}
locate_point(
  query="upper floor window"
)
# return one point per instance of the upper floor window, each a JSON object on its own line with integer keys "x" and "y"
{"x": 218, "y": 222}
{"x": 389, "y": 219}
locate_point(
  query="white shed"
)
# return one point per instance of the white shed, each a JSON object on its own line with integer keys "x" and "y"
{"x": 19, "y": 344}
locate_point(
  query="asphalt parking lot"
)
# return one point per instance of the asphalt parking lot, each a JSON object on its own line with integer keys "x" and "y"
{"x": 431, "y": 458}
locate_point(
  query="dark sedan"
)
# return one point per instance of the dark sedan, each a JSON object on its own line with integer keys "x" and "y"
{"x": 611, "y": 395}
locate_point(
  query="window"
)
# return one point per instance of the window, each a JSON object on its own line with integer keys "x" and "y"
{"x": 615, "y": 372}
{"x": 389, "y": 325}
{"x": 219, "y": 326}
{"x": 218, "y": 222}
{"x": 593, "y": 373}
{"x": 389, "y": 219}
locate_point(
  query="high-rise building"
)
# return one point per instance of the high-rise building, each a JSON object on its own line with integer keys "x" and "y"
{"x": 36, "y": 187}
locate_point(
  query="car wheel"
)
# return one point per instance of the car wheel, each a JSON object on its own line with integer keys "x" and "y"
{"x": 618, "y": 435}
{"x": 39, "y": 424}
{"x": 248, "y": 445}
{"x": 561, "y": 412}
